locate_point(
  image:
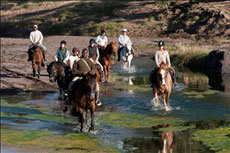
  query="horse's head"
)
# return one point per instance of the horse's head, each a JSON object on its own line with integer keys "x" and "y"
{"x": 90, "y": 86}
{"x": 56, "y": 71}
{"x": 33, "y": 50}
{"x": 113, "y": 48}
{"x": 162, "y": 73}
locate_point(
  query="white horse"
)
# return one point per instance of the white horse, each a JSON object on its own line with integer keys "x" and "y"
{"x": 127, "y": 56}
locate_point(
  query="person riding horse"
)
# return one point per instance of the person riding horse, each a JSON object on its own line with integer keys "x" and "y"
{"x": 162, "y": 55}
{"x": 101, "y": 41}
{"x": 95, "y": 55}
{"x": 81, "y": 68}
{"x": 74, "y": 57}
{"x": 36, "y": 39}
{"x": 125, "y": 45}
{"x": 62, "y": 54}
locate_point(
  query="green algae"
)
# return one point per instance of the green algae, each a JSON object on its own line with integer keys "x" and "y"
{"x": 217, "y": 139}
{"x": 136, "y": 121}
{"x": 46, "y": 141}
{"x": 199, "y": 94}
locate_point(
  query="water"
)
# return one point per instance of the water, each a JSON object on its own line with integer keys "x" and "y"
{"x": 192, "y": 101}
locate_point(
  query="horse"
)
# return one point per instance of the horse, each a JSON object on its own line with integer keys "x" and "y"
{"x": 57, "y": 72}
{"x": 37, "y": 57}
{"x": 106, "y": 58}
{"x": 162, "y": 85}
{"x": 84, "y": 98}
{"x": 127, "y": 56}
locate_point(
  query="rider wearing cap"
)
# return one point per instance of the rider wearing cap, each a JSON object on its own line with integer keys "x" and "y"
{"x": 36, "y": 39}
{"x": 62, "y": 54}
{"x": 162, "y": 55}
{"x": 124, "y": 44}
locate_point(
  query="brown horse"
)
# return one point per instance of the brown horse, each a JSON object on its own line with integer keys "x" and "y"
{"x": 106, "y": 58}
{"x": 163, "y": 85}
{"x": 37, "y": 57}
{"x": 84, "y": 98}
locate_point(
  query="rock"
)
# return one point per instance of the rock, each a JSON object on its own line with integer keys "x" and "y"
{"x": 219, "y": 61}
{"x": 219, "y": 81}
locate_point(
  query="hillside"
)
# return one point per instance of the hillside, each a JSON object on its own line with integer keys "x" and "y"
{"x": 182, "y": 19}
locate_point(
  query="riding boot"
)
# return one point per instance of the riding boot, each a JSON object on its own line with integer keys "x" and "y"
{"x": 119, "y": 51}
{"x": 30, "y": 58}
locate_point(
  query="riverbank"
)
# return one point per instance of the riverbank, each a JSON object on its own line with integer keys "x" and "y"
{"x": 16, "y": 71}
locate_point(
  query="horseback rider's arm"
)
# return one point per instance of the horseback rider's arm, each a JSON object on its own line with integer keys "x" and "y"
{"x": 156, "y": 59}
{"x": 168, "y": 60}
{"x": 41, "y": 38}
{"x": 98, "y": 55}
{"x": 67, "y": 57}
{"x": 56, "y": 56}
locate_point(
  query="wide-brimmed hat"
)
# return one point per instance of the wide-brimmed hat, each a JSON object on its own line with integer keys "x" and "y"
{"x": 124, "y": 30}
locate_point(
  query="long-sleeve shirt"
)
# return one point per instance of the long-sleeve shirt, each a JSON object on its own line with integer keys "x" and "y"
{"x": 80, "y": 67}
{"x": 101, "y": 40}
{"x": 124, "y": 39}
{"x": 94, "y": 52}
{"x": 36, "y": 37}
{"x": 162, "y": 57}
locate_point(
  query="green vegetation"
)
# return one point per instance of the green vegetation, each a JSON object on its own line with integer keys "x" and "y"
{"x": 217, "y": 139}
{"x": 199, "y": 94}
{"x": 142, "y": 18}
{"x": 136, "y": 121}
{"x": 46, "y": 141}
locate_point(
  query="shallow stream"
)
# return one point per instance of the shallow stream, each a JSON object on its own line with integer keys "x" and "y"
{"x": 128, "y": 121}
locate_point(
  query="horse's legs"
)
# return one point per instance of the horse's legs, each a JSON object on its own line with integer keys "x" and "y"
{"x": 81, "y": 118}
{"x": 108, "y": 71}
{"x": 92, "y": 119}
{"x": 156, "y": 96}
{"x": 105, "y": 71}
{"x": 39, "y": 68}
{"x": 34, "y": 68}
{"x": 97, "y": 92}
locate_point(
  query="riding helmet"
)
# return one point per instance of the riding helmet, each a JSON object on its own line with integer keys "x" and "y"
{"x": 92, "y": 41}
{"x": 161, "y": 43}
{"x": 75, "y": 49}
{"x": 63, "y": 42}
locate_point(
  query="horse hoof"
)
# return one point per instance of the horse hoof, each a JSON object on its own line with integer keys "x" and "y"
{"x": 167, "y": 109}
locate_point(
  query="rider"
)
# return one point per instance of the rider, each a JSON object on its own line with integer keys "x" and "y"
{"x": 62, "y": 54}
{"x": 101, "y": 41}
{"x": 74, "y": 57}
{"x": 124, "y": 45}
{"x": 94, "y": 54}
{"x": 36, "y": 38}
{"x": 162, "y": 55}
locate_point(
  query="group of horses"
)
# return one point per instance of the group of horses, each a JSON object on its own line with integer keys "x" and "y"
{"x": 86, "y": 91}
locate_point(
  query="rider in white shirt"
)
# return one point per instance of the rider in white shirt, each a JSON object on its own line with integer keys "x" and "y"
{"x": 124, "y": 43}
{"x": 36, "y": 39}
{"x": 74, "y": 57}
{"x": 101, "y": 41}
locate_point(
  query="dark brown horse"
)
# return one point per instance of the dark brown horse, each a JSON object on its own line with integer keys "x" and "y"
{"x": 37, "y": 57}
{"x": 162, "y": 85}
{"x": 57, "y": 72}
{"x": 106, "y": 58}
{"x": 84, "y": 98}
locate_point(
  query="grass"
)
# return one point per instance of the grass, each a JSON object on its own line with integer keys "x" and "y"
{"x": 46, "y": 141}
{"x": 136, "y": 121}
{"x": 199, "y": 94}
{"x": 217, "y": 139}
